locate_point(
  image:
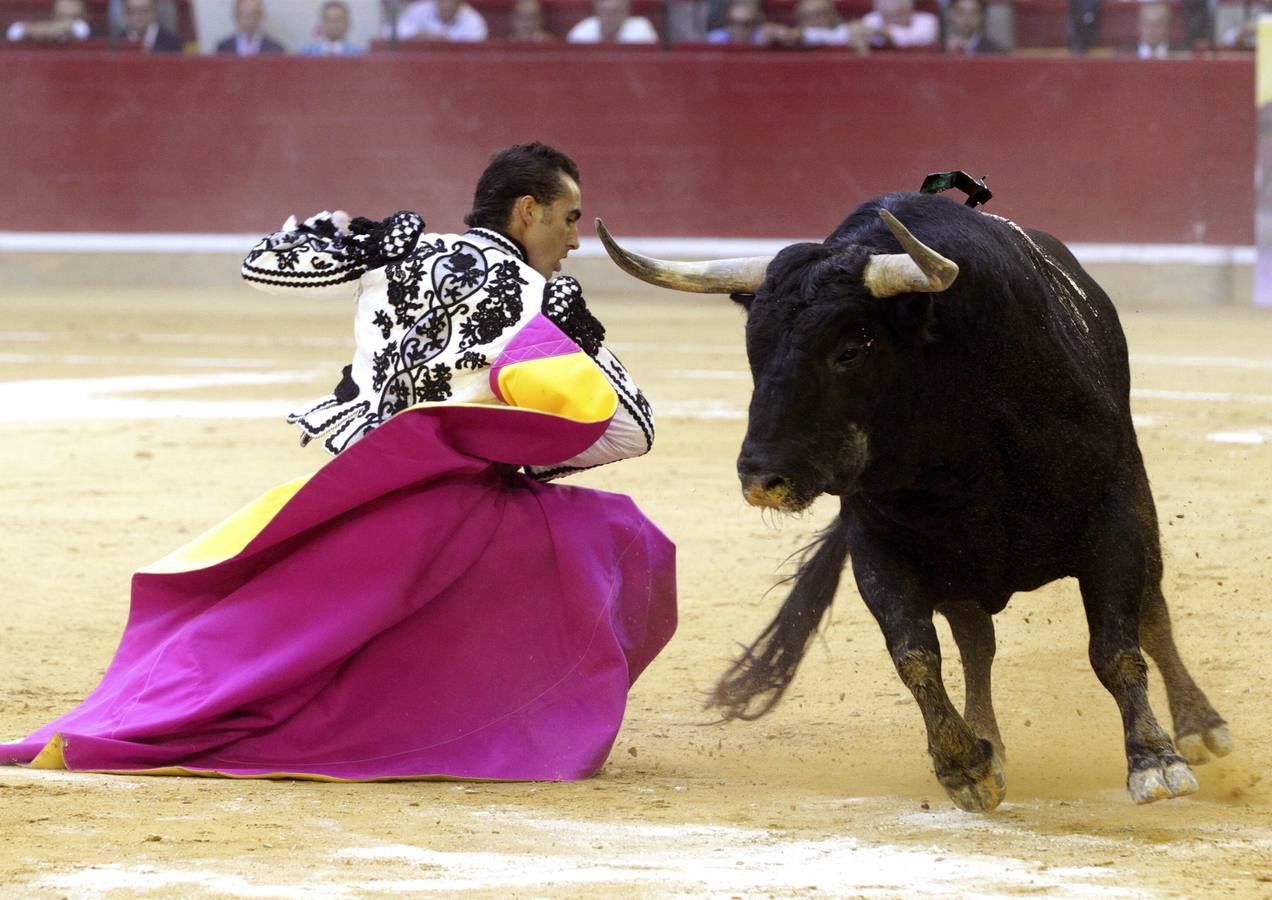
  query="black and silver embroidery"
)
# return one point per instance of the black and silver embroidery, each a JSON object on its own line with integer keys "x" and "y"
{"x": 499, "y": 309}
{"x": 563, "y": 303}
{"x": 316, "y": 254}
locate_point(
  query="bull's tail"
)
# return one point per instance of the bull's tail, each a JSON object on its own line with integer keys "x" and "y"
{"x": 756, "y": 681}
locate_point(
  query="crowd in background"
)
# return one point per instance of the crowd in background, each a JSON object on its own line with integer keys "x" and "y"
{"x": 959, "y": 28}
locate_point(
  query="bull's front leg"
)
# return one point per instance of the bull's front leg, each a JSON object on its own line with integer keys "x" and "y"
{"x": 966, "y": 765}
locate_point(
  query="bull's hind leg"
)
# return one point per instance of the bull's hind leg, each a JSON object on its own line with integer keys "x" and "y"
{"x": 1112, "y": 591}
{"x": 1198, "y": 728}
{"x": 973, "y": 631}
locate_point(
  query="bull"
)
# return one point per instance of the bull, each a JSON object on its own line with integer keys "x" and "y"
{"x": 961, "y": 384}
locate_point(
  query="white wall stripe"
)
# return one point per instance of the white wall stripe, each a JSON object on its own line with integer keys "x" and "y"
{"x": 239, "y": 244}
{"x": 1200, "y": 396}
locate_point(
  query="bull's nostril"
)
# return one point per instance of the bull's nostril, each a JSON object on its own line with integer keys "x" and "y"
{"x": 771, "y": 482}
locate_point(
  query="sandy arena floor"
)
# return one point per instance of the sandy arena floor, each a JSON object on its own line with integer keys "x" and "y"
{"x": 831, "y": 795}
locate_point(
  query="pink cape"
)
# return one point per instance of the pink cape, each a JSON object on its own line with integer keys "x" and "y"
{"x": 417, "y": 609}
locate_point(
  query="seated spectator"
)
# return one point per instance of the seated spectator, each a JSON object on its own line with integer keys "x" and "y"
{"x": 1083, "y": 24}
{"x": 743, "y": 24}
{"x": 817, "y": 24}
{"x": 896, "y": 23}
{"x": 166, "y": 15}
{"x": 141, "y": 26}
{"x": 248, "y": 39}
{"x": 1245, "y": 34}
{"x": 965, "y": 29}
{"x": 613, "y": 23}
{"x": 441, "y": 20}
{"x": 1153, "y": 31}
{"x": 68, "y": 21}
{"x": 526, "y": 22}
{"x": 1198, "y": 27}
{"x": 333, "y": 28}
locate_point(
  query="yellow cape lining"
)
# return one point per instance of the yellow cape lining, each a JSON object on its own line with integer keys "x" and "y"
{"x": 53, "y": 756}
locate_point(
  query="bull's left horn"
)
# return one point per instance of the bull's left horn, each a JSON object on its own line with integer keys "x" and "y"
{"x": 920, "y": 269}
{"x": 741, "y": 275}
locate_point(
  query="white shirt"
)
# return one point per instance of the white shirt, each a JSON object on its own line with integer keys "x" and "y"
{"x": 79, "y": 30}
{"x": 636, "y": 30}
{"x": 818, "y": 37}
{"x": 421, "y": 20}
{"x": 921, "y": 32}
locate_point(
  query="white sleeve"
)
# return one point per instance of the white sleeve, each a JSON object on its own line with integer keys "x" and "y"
{"x": 586, "y": 32}
{"x": 921, "y": 32}
{"x": 818, "y": 37}
{"x": 16, "y": 32}
{"x": 470, "y": 27}
{"x": 80, "y": 30}
{"x": 410, "y": 21}
{"x": 630, "y": 432}
{"x": 639, "y": 30}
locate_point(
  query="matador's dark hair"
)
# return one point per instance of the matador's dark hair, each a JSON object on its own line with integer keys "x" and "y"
{"x": 516, "y": 171}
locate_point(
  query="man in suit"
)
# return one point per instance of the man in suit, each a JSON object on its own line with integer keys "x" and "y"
{"x": 1154, "y": 31}
{"x": 248, "y": 39}
{"x": 965, "y": 29}
{"x": 333, "y": 28}
{"x": 1153, "y": 27}
{"x": 141, "y": 26}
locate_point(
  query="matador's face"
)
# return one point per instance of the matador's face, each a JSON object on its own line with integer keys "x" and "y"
{"x": 554, "y": 229}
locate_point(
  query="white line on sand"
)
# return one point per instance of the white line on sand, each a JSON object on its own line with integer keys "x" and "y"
{"x": 91, "y": 882}
{"x": 170, "y": 337}
{"x": 690, "y": 859}
{"x": 722, "y": 859}
{"x": 1201, "y": 396}
{"x": 1253, "y": 436}
{"x": 99, "y": 398}
{"x": 192, "y": 362}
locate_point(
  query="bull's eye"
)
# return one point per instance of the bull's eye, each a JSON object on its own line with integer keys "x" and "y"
{"x": 848, "y": 357}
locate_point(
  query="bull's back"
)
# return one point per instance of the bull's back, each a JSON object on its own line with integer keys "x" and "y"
{"x": 1102, "y": 339}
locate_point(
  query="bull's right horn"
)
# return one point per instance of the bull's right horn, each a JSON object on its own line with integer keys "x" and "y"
{"x": 741, "y": 275}
{"x": 920, "y": 269}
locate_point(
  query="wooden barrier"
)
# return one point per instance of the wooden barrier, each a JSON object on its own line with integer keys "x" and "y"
{"x": 688, "y": 143}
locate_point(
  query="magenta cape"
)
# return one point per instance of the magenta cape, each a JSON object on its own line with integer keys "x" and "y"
{"x": 414, "y": 610}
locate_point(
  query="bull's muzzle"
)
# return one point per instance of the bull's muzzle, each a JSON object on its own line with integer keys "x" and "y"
{"x": 767, "y": 490}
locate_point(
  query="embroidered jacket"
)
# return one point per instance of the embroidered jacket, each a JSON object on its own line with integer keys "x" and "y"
{"x": 434, "y": 314}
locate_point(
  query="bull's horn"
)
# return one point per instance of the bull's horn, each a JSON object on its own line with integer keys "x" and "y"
{"x": 741, "y": 275}
{"x": 920, "y": 269}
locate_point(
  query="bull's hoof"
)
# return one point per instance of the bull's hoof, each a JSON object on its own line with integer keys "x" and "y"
{"x": 980, "y": 789}
{"x": 1193, "y": 747}
{"x": 1172, "y": 778}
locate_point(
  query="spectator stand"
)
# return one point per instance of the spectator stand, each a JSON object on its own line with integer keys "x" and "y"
{"x": 1035, "y": 27}
{"x": 291, "y": 22}
{"x": 98, "y": 19}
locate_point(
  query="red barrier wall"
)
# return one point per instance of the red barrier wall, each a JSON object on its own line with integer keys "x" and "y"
{"x": 691, "y": 143}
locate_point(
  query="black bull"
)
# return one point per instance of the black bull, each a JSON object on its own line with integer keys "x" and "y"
{"x": 975, "y": 423}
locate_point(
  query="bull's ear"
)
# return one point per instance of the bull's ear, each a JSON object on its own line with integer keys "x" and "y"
{"x": 743, "y": 300}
